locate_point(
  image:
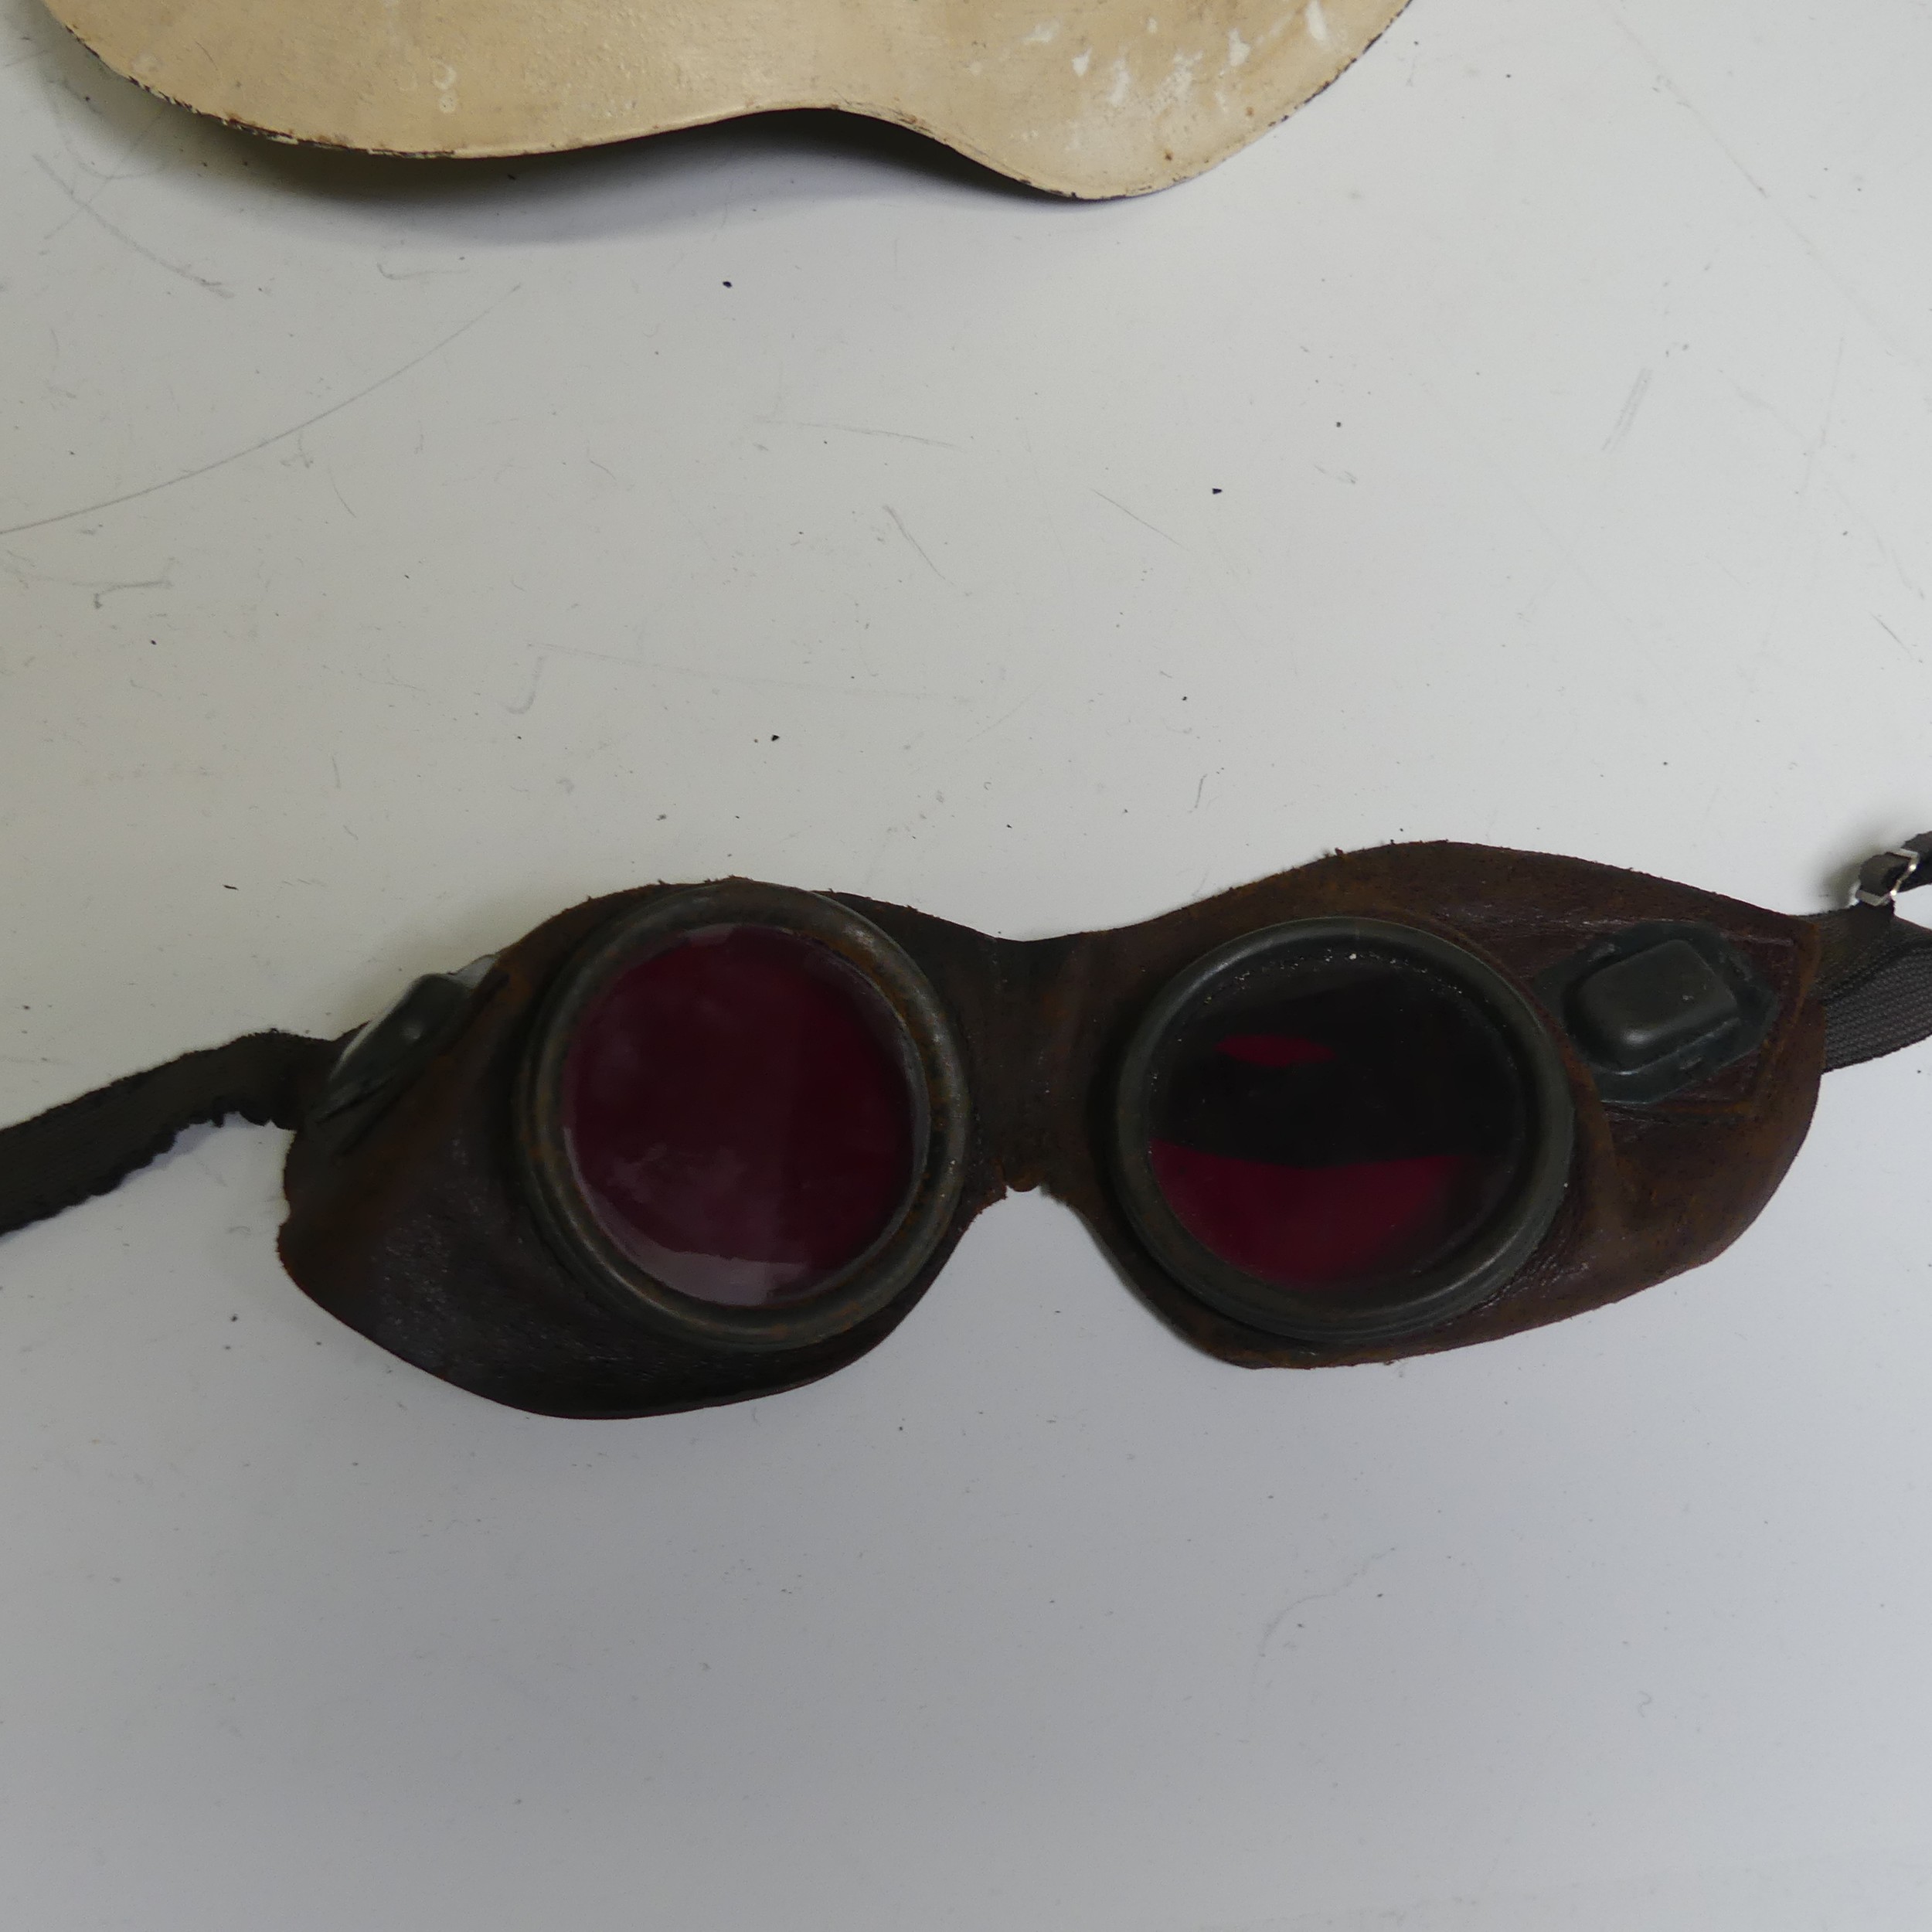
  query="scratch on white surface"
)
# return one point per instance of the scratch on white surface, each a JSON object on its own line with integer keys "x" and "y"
{"x": 1852, "y": 299}
{"x": 1627, "y": 414}
{"x": 1830, "y": 411}
{"x": 670, "y": 494}
{"x": 87, "y": 207}
{"x": 102, "y": 588}
{"x": 1894, "y": 636}
{"x": 164, "y": 582}
{"x": 1526, "y": 502}
{"x": 1124, "y": 511}
{"x": 1294, "y": 1603}
{"x": 112, "y": 175}
{"x": 1123, "y": 82}
{"x": 1789, "y": 553}
{"x": 1238, "y": 49}
{"x": 899, "y": 523}
{"x": 844, "y": 429}
{"x": 1005, "y": 717}
{"x": 1316, "y": 21}
{"x": 266, "y": 442}
{"x": 1044, "y": 34}
{"x": 872, "y": 871}
{"x": 1082, "y": 61}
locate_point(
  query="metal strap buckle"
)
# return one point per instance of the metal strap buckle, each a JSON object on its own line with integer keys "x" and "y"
{"x": 1886, "y": 874}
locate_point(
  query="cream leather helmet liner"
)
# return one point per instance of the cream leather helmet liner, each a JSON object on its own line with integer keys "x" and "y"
{"x": 1090, "y": 97}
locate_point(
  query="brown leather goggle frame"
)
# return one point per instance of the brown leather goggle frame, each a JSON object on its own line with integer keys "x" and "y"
{"x": 417, "y": 1215}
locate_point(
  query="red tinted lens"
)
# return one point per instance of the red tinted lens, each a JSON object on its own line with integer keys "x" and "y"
{"x": 1336, "y": 1121}
{"x": 738, "y": 1116}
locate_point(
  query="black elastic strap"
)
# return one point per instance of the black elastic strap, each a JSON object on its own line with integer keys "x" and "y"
{"x": 87, "y": 1146}
{"x": 1875, "y": 982}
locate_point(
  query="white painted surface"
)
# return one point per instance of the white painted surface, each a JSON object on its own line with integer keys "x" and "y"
{"x": 393, "y": 555}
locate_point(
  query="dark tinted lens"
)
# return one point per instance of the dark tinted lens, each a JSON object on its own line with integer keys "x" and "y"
{"x": 1335, "y": 1119}
{"x": 738, "y": 1116}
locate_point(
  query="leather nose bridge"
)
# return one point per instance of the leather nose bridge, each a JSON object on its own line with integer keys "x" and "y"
{"x": 1010, "y": 1061}
{"x": 1036, "y": 1109}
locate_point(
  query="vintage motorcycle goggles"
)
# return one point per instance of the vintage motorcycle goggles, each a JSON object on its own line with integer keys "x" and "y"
{"x": 688, "y": 1145}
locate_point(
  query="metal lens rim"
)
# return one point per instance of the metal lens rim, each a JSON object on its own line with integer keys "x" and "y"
{"x": 936, "y": 1081}
{"x": 1495, "y": 1253}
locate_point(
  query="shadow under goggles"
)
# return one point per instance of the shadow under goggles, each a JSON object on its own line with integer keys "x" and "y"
{"x": 688, "y": 1145}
